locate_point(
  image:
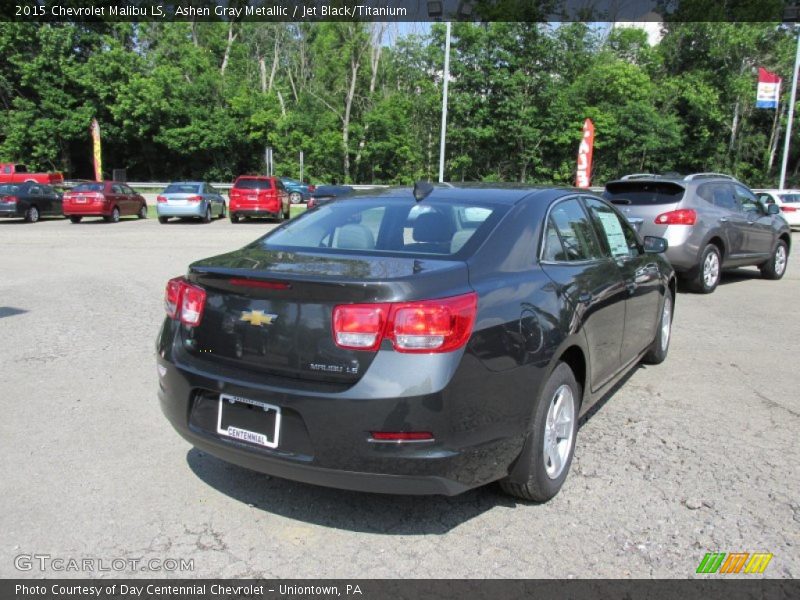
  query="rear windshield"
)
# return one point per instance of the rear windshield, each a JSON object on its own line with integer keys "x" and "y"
{"x": 643, "y": 192}
{"x": 393, "y": 226}
{"x": 253, "y": 184}
{"x": 8, "y": 188}
{"x": 791, "y": 198}
{"x": 88, "y": 187}
{"x": 182, "y": 188}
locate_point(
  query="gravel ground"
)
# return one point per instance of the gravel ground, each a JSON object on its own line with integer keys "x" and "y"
{"x": 693, "y": 456}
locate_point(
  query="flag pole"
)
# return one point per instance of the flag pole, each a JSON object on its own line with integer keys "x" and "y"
{"x": 791, "y": 115}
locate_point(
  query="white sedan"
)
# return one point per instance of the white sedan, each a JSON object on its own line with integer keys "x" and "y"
{"x": 787, "y": 200}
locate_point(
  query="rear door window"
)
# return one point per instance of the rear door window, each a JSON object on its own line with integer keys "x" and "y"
{"x": 719, "y": 194}
{"x": 575, "y": 230}
{"x": 643, "y": 193}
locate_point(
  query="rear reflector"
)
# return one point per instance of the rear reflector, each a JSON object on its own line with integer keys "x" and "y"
{"x": 425, "y": 326}
{"x": 255, "y": 283}
{"x": 402, "y": 436}
{"x": 684, "y": 216}
{"x": 788, "y": 209}
{"x": 184, "y": 301}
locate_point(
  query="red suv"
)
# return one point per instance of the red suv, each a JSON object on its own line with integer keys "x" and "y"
{"x": 256, "y": 196}
{"x": 108, "y": 199}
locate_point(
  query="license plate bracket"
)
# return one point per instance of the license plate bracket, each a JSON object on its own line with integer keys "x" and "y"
{"x": 249, "y": 420}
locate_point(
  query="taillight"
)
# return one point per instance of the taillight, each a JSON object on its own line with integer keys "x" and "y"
{"x": 257, "y": 283}
{"x": 415, "y": 327}
{"x": 10, "y": 199}
{"x": 788, "y": 209}
{"x": 684, "y": 216}
{"x": 311, "y": 203}
{"x": 194, "y": 198}
{"x": 312, "y": 188}
{"x": 184, "y": 301}
{"x": 359, "y": 326}
{"x": 401, "y": 436}
{"x": 161, "y": 199}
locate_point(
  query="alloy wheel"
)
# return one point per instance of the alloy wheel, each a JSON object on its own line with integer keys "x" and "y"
{"x": 559, "y": 431}
{"x": 711, "y": 269}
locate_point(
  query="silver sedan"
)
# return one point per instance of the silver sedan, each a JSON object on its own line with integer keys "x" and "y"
{"x": 190, "y": 199}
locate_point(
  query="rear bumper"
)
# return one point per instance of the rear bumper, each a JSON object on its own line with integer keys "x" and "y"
{"x": 10, "y": 210}
{"x": 256, "y": 212}
{"x": 324, "y": 438}
{"x": 792, "y": 218}
{"x": 195, "y": 210}
{"x": 95, "y": 209}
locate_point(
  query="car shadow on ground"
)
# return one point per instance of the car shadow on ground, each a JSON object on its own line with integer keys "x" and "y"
{"x": 10, "y": 311}
{"x": 740, "y": 274}
{"x": 342, "y": 509}
{"x": 21, "y": 221}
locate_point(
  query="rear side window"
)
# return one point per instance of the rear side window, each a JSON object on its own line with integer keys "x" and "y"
{"x": 719, "y": 194}
{"x": 643, "y": 193}
{"x": 746, "y": 199}
{"x": 182, "y": 188}
{"x": 575, "y": 230}
{"x": 9, "y": 188}
{"x": 254, "y": 184}
{"x": 790, "y": 198}
{"x": 393, "y": 226}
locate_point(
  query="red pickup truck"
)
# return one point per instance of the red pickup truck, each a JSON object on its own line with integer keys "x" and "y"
{"x": 16, "y": 173}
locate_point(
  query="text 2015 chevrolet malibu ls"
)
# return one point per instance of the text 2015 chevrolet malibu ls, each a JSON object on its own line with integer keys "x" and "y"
{"x": 422, "y": 342}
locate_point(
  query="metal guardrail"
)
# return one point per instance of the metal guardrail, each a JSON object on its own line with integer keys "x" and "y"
{"x": 159, "y": 185}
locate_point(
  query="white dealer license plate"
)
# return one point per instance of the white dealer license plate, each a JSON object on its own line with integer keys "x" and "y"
{"x": 249, "y": 420}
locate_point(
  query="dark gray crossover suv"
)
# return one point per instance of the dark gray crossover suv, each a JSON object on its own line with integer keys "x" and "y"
{"x": 711, "y": 222}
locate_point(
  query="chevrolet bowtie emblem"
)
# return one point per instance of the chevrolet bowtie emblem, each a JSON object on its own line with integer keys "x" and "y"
{"x": 257, "y": 317}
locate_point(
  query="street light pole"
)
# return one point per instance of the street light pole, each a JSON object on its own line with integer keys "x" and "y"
{"x": 444, "y": 102}
{"x": 791, "y": 115}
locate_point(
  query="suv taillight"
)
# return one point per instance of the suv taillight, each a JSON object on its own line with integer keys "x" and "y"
{"x": 684, "y": 216}
{"x": 429, "y": 326}
{"x": 184, "y": 301}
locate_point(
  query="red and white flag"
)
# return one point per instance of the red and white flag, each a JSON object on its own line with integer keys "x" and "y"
{"x": 769, "y": 89}
{"x": 584, "y": 176}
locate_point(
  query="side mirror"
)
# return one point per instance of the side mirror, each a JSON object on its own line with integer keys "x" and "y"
{"x": 773, "y": 209}
{"x": 655, "y": 245}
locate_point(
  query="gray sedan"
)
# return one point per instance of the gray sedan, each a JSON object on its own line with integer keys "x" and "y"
{"x": 190, "y": 199}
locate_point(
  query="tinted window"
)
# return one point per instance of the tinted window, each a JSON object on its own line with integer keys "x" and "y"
{"x": 387, "y": 226}
{"x": 719, "y": 194}
{"x": 253, "y": 184}
{"x": 35, "y": 190}
{"x": 182, "y": 188}
{"x": 767, "y": 199}
{"x": 9, "y": 188}
{"x": 553, "y": 250}
{"x": 643, "y": 192}
{"x": 575, "y": 230}
{"x": 746, "y": 198}
{"x": 615, "y": 233}
{"x": 88, "y": 187}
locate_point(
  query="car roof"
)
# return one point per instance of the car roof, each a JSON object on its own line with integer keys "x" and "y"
{"x": 186, "y": 182}
{"x": 500, "y": 193}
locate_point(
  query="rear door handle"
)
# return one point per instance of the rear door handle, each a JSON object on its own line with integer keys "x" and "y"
{"x": 723, "y": 219}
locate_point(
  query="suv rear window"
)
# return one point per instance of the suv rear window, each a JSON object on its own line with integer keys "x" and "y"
{"x": 253, "y": 184}
{"x": 390, "y": 226}
{"x": 643, "y": 193}
{"x": 793, "y": 198}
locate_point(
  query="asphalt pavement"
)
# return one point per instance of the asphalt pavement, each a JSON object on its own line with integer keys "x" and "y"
{"x": 693, "y": 456}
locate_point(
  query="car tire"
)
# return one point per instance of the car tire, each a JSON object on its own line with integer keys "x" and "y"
{"x": 709, "y": 271}
{"x": 163, "y": 220}
{"x": 142, "y": 214}
{"x": 279, "y": 218}
{"x": 222, "y": 211}
{"x": 295, "y": 197}
{"x": 660, "y": 346}
{"x": 234, "y": 218}
{"x": 75, "y": 218}
{"x": 775, "y": 267}
{"x": 207, "y": 216}
{"x": 555, "y": 422}
{"x": 113, "y": 217}
{"x": 32, "y": 214}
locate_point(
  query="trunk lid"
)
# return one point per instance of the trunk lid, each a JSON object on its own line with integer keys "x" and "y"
{"x": 270, "y": 312}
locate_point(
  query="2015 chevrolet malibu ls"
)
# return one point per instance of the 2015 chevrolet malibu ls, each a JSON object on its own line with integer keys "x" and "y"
{"x": 422, "y": 342}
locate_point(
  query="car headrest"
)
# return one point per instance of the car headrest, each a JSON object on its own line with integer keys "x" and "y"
{"x": 354, "y": 236}
{"x": 432, "y": 227}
